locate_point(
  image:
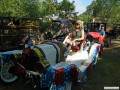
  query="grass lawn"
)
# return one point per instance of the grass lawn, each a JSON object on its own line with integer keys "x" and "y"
{"x": 107, "y": 70}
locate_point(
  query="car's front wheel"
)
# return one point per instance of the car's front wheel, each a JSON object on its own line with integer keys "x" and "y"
{"x": 5, "y": 74}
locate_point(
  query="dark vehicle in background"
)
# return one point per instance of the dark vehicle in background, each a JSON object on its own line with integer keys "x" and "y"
{"x": 94, "y": 27}
{"x": 115, "y": 32}
{"x": 13, "y": 31}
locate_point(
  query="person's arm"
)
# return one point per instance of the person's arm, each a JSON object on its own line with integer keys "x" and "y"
{"x": 103, "y": 35}
{"x": 58, "y": 33}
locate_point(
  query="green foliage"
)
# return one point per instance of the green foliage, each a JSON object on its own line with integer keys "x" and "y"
{"x": 34, "y": 8}
{"x": 44, "y": 25}
{"x": 31, "y": 8}
{"x": 85, "y": 17}
{"x": 65, "y": 8}
{"x": 109, "y": 9}
{"x": 19, "y": 8}
{"x": 49, "y": 7}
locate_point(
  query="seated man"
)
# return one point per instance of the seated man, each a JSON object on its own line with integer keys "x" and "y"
{"x": 102, "y": 33}
{"x": 60, "y": 35}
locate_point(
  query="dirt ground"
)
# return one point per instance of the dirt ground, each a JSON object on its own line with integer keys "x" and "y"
{"x": 113, "y": 50}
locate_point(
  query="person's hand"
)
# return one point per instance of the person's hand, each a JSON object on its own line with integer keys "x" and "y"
{"x": 70, "y": 35}
{"x": 73, "y": 43}
{"x": 74, "y": 40}
{"x": 54, "y": 36}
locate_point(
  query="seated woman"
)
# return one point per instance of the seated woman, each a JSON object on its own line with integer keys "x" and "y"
{"x": 77, "y": 35}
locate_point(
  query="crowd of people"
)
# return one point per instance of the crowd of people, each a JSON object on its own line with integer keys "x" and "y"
{"x": 75, "y": 36}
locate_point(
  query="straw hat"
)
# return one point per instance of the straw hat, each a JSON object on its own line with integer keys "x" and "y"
{"x": 80, "y": 23}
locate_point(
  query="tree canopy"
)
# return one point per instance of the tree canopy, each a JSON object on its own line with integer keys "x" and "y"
{"x": 105, "y": 9}
{"x": 35, "y": 8}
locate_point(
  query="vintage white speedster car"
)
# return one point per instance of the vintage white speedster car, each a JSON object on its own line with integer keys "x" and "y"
{"x": 50, "y": 64}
